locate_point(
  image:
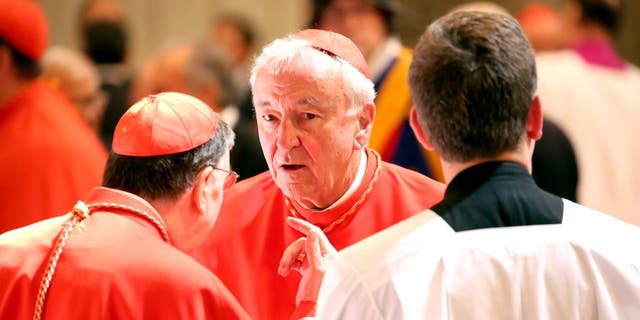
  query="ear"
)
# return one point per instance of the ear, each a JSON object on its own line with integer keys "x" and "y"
{"x": 534, "y": 120}
{"x": 203, "y": 187}
{"x": 365, "y": 124}
{"x": 417, "y": 130}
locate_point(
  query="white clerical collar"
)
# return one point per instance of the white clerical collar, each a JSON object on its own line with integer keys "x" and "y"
{"x": 354, "y": 185}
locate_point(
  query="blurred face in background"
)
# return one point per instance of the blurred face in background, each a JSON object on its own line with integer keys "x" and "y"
{"x": 89, "y": 99}
{"x": 230, "y": 38}
{"x": 77, "y": 78}
{"x": 170, "y": 70}
{"x": 359, "y": 20}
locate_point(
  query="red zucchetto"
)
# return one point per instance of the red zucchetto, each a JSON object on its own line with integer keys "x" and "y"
{"x": 337, "y": 45}
{"x": 163, "y": 124}
{"x": 24, "y": 27}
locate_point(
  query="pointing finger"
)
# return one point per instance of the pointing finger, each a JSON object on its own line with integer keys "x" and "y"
{"x": 290, "y": 255}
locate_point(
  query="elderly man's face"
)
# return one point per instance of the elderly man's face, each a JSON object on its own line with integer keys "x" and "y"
{"x": 307, "y": 138}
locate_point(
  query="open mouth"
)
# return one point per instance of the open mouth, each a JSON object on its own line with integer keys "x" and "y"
{"x": 291, "y": 166}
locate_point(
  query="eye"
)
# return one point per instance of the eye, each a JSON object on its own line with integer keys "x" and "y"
{"x": 268, "y": 117}
{"x": 309, "y": 116}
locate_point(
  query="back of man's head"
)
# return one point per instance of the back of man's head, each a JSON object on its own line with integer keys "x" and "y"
{"x": 473, "y": 79}
{"x": 24, "y": 31}
{"x": 209, "y": 65}
{"x": 162, "y": 142}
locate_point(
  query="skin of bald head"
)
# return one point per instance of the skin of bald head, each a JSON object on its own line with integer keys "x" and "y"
{"x": 314, "y": 114}
{"x": 169, "y": 74}
{"x": 77, "y": 78}
{"x": 198, "y": 69}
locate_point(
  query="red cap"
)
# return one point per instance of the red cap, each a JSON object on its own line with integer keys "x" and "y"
{"x": 24, "y": 26}
{"x": 164, "y": 124}
{"x": 337, "y": 45}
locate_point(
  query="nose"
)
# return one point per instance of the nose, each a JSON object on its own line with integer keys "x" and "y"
{"x": 288, "y": 135}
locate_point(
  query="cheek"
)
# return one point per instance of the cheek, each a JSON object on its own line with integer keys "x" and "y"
{"x": 267, "y": 144}
{"x": 266, "y": 135}
{"x": 334, "y": 144}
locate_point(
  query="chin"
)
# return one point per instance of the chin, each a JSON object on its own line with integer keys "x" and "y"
{"x": 292, "y": 191}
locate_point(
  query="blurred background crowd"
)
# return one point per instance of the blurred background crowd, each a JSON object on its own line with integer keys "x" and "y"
{"x": 102, "y": 55}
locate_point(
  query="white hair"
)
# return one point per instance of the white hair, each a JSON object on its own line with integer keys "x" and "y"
{"x": 276, "y": 56}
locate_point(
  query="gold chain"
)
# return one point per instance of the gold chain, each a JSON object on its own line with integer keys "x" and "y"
{"x": 80, "y": 212}
{"x": 353, "y": 208}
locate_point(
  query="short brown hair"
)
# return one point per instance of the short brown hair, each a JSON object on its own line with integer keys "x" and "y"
{"x": 472, "y": 79}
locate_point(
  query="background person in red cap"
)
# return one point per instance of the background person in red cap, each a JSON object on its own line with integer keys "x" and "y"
{"x": 49, "y": 156}
{"x": 370, "y": 25}
{"x": 314, "y": 109}
{"x": 121, "y": 251}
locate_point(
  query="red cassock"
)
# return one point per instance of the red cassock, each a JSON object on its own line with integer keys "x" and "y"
{"x": 115, "y": 265}
{"x": 49, "y": 157}
{"x": 251, "y": 233}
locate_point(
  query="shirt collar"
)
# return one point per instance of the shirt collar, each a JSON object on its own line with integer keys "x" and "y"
{"x": 109, "y": 195}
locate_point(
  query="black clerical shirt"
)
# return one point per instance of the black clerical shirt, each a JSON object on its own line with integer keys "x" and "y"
{"x": 497, "y": 194}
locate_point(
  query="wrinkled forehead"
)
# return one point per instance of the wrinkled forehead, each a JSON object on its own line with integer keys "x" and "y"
{"x": 297, "y": 56}
{"x": 304, "y": 62}
{"x": 297, "y": 85}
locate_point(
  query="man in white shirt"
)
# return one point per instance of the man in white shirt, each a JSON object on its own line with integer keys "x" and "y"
{"x": 497, "y": 246}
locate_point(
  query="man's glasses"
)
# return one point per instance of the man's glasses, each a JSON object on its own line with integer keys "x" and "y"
{"x": 231, "y": 178}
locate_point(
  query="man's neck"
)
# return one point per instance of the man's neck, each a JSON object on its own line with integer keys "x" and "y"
{"x": 173, "y": 213}
{"x": 453, "y": 168}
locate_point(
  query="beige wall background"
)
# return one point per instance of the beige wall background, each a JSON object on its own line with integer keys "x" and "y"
{"x": 421, "y": 12}
{"x": 155, "y": 23}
